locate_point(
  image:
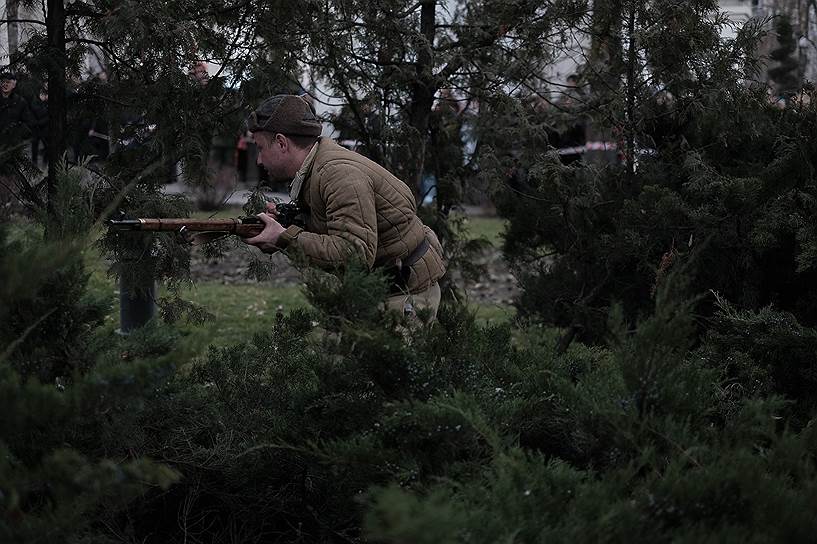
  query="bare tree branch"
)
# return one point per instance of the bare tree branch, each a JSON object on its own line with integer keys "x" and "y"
{"x": 29, "y": 21}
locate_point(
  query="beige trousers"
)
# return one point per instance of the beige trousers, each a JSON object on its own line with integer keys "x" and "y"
{"x": 410, "y": 304}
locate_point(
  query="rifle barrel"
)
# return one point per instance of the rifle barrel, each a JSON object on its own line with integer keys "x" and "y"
{"x": 125, "y": 224}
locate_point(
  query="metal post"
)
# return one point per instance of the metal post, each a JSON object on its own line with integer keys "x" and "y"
{"x": 137, "y": 303}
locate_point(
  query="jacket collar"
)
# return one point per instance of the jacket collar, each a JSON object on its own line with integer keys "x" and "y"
{"x": 297, "y": 183}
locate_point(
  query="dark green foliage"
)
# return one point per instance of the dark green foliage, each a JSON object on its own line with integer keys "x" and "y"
{"x": 343, "y": 425}
{"x": 667, "y": 465}
{"x": 355, "y": 294}
{"x": 65, "y": 316}
{"x": 457, "y": 432}
{"x": 60, "y": 386}
{"x": 291, "y": 428}
{"x": 48, "y": 316}
{"x": 767, "y": 351}
{"x": 688, "y": 419}
{"x": 726, "y": 173}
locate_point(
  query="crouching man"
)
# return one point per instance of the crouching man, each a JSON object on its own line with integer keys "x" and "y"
{"x": 354, "y": 208}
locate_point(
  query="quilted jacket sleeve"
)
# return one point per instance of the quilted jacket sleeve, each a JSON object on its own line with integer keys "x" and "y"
{"x": 351, "y": 220}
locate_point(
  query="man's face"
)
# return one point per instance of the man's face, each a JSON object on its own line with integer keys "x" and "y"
{"x": 272, "y": 156}
{"x": 7, "y": 85}
{"x": 199, "y": 73}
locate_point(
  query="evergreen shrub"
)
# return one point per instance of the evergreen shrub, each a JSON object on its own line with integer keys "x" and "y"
{"x": 61, "y": 387}
{"x": 340, "y": 425}
{"x": 585, "y": 237}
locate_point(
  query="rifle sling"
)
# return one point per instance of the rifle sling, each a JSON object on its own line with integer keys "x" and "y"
{"x": 400, "y": 271}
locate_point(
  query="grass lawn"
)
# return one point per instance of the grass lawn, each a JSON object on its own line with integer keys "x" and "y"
{"x": 240, "y": 310}
{"x": 490, "y": 228}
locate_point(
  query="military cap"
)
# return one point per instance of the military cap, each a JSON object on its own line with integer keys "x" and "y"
{"x": 285, "y": 114}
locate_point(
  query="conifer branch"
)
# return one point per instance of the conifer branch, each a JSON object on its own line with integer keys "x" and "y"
{"x": 19, "y": 340}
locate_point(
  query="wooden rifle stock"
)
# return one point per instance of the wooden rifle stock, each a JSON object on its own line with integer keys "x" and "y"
{"x": 243, "y": 226}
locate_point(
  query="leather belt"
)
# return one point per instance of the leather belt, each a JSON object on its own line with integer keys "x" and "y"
{"x": 400, "y": 271}
{"x": 415, "y": 255}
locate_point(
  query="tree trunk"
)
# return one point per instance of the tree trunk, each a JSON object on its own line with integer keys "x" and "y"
{"x": 13, "y": 12}
{"x": 604, "y": 70}
{"x": 57, "y": 101}
{"x": 630, "y": 122}
{"x": 606, "y": 49}
{"x": 423, "y": 89}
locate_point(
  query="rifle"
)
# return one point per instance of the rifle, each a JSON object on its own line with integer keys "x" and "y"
{"x": 242, "y": 226}
{"x": 286, "y": 214}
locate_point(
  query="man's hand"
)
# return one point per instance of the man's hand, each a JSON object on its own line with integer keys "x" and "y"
{"x": 266, "y": 241}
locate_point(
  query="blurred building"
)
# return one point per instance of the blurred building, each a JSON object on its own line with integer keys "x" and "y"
{"x": 13, "y": 34}
{"x": 31, "y": 20}
{"x": 803, "y": 16}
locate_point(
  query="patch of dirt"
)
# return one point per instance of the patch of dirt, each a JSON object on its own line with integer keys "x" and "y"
{"x": 233, "y": 266}
{"x": 497, "y": 285}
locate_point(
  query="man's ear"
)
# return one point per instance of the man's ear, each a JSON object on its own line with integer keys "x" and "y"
{"x": 282, "y": 141}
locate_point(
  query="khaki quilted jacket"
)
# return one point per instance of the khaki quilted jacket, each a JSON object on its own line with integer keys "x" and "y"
{"x": 357, "y": 207}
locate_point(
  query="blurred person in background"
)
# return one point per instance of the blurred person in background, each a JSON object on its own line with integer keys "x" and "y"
{"x": 39, "y": 126}
{"x": 15, "y": 114}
